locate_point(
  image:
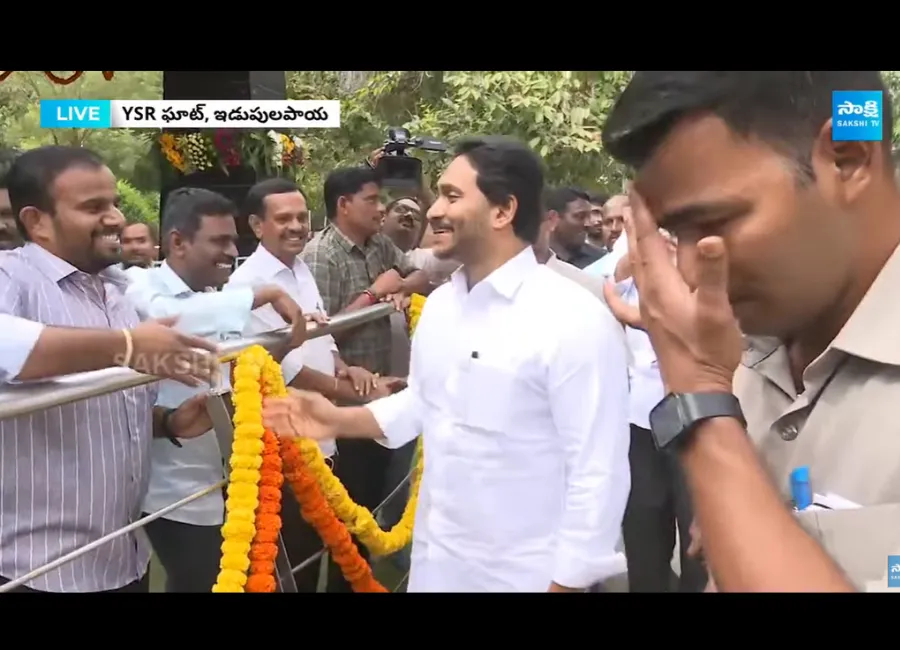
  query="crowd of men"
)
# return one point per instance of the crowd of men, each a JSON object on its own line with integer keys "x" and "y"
{"x": 588, "y": 371}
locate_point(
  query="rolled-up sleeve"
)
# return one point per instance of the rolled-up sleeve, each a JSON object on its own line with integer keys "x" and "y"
{"x": 201, "y": 314}
{"x": 591, "y": 362}
{"x": 19, "y": 334}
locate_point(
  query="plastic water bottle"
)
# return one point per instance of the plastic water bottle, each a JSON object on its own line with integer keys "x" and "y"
{"x": 801, "y": 492}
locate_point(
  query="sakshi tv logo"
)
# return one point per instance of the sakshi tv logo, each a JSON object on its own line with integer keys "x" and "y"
{"x": 856, "y": 115}
{"x": 893, "y": 578}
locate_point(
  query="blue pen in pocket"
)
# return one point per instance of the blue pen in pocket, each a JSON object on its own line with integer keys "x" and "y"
{"x": 801, "y": 492}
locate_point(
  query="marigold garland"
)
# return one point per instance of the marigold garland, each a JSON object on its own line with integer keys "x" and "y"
{"x": 359, "y": 521}
{"x": 239, "y": 529}
{"x": 335, "y": 536}
{"x": 260, "y": 464}
{"x": 264, "y": 548}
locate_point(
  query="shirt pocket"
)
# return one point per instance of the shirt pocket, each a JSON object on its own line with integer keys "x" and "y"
{"x": 482, "y": 394}
{"x": 858, "y": 539}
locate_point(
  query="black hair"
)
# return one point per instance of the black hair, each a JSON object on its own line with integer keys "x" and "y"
{"x": 505, "y": 168}
{"x": 31, "y": 176}
{"x": 255, "y": 201}
{"x": 785, "y": 109}
{"x": 151, "y": 227}
{"x": 346, "y": 181}
{"x": 186, "y": 207}
{"x": 7, "y": 158}
{"x": 597, "y": 198}
{"x": 557, "y": 198}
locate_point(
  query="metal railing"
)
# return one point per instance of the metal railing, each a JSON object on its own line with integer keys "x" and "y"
{"x": 25, "y": 398}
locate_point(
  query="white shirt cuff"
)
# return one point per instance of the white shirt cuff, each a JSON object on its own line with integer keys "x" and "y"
{"x": 575, "y": 573}
{"x": 19, "y": 338}
{"x": 291, "y": 365}
{"x": 395, "y": 419}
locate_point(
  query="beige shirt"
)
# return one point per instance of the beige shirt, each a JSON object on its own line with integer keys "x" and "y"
{"x": 844, "y": 426}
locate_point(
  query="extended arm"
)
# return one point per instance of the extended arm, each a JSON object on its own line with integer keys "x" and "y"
{"x": 595, "y": 439}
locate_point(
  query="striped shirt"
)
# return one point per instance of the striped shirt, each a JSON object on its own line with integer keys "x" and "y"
{"x": 72, "y": 474}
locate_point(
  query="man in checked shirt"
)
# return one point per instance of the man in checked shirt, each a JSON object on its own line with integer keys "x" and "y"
{"x": 355, "y": 266}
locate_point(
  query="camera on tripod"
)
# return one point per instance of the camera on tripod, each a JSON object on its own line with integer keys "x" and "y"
{"x": 396, "y": 168}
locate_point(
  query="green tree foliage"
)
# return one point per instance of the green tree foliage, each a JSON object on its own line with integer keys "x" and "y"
{"x": 559, "y": 113}
{"x": 137, "y": 205}
{"x": 122, "y": 149}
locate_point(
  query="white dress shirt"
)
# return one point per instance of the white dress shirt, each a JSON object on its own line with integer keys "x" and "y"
{"x": 178, "y": 472}
{"x": 605, "y": 267}
{"x": 520, "y": 392}
{"x": 317, "y": 354}
{"x": 643, "y": 370}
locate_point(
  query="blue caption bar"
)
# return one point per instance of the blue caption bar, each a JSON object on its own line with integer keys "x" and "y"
{"x": 75, "y": 114}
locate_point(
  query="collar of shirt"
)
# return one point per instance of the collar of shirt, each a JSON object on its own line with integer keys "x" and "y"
{"x": 504, "y": 280}
{"x": 171, "y": 280}
{"x": 57, "y": 269}
{"x": 344, "y": 241}
{"x": 265, "y": 265}
{"x": 870, "y": 333}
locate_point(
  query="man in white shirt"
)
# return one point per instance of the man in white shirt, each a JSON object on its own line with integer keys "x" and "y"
{"x": 201, "y": 247}
{"x": 516, "y": 386}
{"x": 279, "y": 216}
{"x": 614, "y": 213}
{"x": 659, "y": 501}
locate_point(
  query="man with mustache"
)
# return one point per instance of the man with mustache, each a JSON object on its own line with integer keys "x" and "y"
{"x": 72, "y": 474}
{"x": 523, "y": 417}
{"x": 278, "y": 214}
{"x": 788, "y": 234}
{"x": 9, "y": 232}
{"x": 355, "y": 265}
{"x": 200, "y": 244}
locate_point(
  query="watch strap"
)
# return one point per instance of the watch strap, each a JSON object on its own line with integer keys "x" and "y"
{"x": 678, "y": 414}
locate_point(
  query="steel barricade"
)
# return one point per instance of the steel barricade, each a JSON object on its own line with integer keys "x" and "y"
{"x": 24, "y": 398}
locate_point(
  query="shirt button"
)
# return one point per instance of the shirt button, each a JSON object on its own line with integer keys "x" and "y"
{"x": 790, "y": 432}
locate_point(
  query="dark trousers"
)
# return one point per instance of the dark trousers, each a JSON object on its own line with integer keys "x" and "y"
{"x": 141, "y": 586}
{"x": 658, "y": 502}
{"x": 362, "y": 467}
{"x": 189, "y": 554}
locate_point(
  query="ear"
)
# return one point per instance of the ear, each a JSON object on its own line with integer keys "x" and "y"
{"x": 35, "y": 222}
{"x": 848, "y": 167}
{"x": 552, "y": 218}
{"x": 504, "y": 214}
{"x": 176, "y": 244}
{"x": 256, "y": 225}
{"x": 342, "y": 203}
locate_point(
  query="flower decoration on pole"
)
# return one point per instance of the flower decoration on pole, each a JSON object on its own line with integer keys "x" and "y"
{"x": 226, "y": 149}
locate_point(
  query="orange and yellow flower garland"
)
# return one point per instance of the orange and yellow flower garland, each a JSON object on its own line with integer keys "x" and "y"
{"x": 239, "y": 529}
{"x": 359, "y": 521}
{"x": 263, "y": 549}
{"x": 334, "y": 534}
{"x": 252, "y": 520}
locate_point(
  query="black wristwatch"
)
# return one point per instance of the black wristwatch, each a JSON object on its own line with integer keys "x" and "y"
{"x": 678, "y": 414}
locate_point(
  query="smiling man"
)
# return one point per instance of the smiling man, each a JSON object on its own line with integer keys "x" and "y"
{"x": 200, "y": 243}
{"x": 523, "y": 417}
{"x": 72, "y": 474}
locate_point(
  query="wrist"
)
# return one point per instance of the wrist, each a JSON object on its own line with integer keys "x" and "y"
{"x": 372, "y": 295}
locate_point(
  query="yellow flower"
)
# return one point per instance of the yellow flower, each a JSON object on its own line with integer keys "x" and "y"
{"x": 243, "y": 485}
